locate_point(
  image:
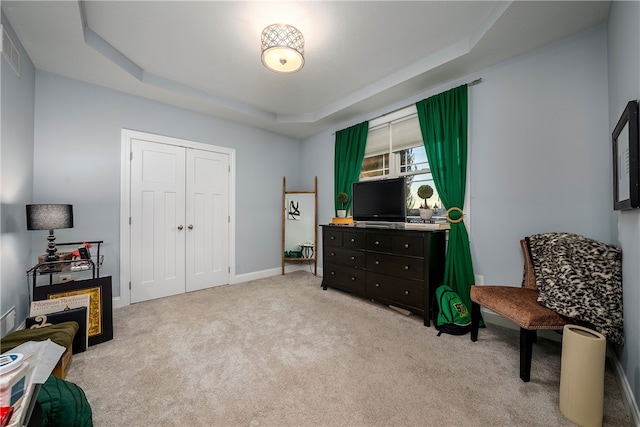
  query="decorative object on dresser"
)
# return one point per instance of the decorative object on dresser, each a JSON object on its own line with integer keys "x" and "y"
{"x": 424, "y": 192}
{"x": 397, "y": 267}
{"x": 342, "y": 199}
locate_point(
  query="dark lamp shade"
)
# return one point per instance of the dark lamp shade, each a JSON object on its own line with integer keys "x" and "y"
{"x": 49, "y": 217}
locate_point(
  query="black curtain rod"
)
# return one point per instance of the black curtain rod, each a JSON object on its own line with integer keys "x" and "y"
{"x": 471, "y": 83}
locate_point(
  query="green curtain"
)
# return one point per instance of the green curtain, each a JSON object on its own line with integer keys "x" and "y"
{"x": 349, "y": 153}
{"x": 443, "y": 122}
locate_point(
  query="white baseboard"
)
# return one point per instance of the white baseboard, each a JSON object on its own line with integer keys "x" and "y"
{"x": 627, "y": 394}
{"x": 117, "y": 303}
{"x": 288, "y": 268}
{"x": 241, "y": 278}
{"x": 247, "y": 277}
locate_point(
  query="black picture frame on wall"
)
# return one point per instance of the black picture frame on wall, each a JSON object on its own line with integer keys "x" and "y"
{"x": 626, "y": 160}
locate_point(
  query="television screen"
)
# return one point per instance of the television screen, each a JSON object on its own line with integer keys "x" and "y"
{"x": 379, "y": 200}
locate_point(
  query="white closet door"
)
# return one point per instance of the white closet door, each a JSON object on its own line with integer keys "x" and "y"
{"x": 207, "y": 218}
{"x": 158, "y": 228}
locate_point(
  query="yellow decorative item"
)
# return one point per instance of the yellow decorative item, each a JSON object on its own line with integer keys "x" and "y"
{"x": 342, "y": 221}
{"x": 454, "y": 221}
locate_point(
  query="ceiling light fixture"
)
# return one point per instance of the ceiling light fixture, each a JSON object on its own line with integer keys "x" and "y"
{"x": 282, "y": 48}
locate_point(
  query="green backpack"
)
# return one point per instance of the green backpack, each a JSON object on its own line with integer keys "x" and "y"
{"x": 449, "y": 312}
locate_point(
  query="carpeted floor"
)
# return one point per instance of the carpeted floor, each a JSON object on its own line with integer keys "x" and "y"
{"x": 282, "y": 352}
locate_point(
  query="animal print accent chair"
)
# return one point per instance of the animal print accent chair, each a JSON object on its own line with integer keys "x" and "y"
{"x": 520, "y": 305}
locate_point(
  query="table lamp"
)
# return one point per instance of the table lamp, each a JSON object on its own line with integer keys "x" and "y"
{"x": 49, "y": 217}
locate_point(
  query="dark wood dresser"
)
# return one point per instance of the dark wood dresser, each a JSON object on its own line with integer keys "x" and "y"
{"x": 393, "y": 266}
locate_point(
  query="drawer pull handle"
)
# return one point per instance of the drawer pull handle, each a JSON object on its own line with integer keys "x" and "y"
{"x": 377, "y": 262}
{"x": 406, "y": 267}
{"x": 353, "y": 240}
{"x": 332, "y": 238}
{"x": 377, "y": 285}
{"x": 377, "y": 243}
{"x": 353, "y": 278}
{"x": 333, "y": 254}
{"x": 406, "y": 246}
{"x": 352, "y": 257}
{"x": 406, "y": 292}
{"x": 333, "y": 273}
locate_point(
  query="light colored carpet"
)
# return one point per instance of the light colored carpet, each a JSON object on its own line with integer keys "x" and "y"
{"x": 283, "y": 352}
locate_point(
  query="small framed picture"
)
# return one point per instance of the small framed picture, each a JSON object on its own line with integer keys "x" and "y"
{"x": 626, "y": 160}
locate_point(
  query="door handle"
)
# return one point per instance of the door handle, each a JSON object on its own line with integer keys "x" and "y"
{"x": 190, "y": 227}
{"x": 180, "y": 227}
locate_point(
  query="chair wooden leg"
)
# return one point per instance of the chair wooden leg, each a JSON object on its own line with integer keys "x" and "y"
{"x": 527, "y": 338}
{"x": 475, "y": 320}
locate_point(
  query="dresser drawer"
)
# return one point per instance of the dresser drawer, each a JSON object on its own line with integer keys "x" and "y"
{"x": 404, "y": 267}
{"x": 353, "y": 239}
{"x": 395, "y": 290}
{"x": 410, "y": 245}
{"x": 379, "y": 242}
{"x": 332, "y": 237}
{"x": 345, "y": 257}
{"x": 344, "y": 277}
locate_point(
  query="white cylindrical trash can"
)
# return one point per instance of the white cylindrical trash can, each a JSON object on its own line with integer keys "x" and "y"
{"x": 582, "y": 375}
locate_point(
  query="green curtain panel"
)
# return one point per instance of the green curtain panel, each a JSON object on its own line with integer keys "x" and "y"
{"x": 443, "y": 122}
{"x": 349, "y": 153}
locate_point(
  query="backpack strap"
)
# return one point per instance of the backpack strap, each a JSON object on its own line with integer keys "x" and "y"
{"x": 442, "y": 295}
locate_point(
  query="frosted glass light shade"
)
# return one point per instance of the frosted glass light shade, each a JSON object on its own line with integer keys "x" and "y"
{"x": 282, "y": 48}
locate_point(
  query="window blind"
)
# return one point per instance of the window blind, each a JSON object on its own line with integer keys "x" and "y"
{"x": 394, "y": 135}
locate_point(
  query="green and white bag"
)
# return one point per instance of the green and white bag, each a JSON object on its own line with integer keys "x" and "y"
{"x": 449, "y": 312}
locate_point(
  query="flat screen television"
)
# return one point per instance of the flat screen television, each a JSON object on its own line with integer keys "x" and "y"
{"x": 382, "y": 200}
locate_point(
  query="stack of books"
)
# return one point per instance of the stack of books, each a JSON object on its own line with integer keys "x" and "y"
{"x": 435, "y": 223}
{"x": 427, "y": 226}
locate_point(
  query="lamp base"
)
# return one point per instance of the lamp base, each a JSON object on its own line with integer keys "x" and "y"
{"x": 52, "y": 254}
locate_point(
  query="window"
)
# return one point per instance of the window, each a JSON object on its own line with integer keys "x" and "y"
{"x": 395, "y": 149}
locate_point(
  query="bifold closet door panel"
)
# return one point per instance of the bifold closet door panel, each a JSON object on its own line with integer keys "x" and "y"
{"x": 207, "y": 213}
{"x": 157, "y": 220}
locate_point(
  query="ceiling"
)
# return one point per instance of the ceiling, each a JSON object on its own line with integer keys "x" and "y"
{"x": 360, "y": 56}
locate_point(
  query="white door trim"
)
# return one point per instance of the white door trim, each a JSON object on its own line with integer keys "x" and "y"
{"x": 125, "y": 202}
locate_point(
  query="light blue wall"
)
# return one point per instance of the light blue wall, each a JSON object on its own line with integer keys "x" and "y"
{"x": 539, "y": 151}
{"x": 624, "y": 86}
{"x": 16, "y": 156}
{"x": 77, "y": 161}
{"x": 540, "y": 155}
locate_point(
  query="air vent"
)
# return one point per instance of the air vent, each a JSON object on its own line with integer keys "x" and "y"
{"x": 10, "y": 52}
